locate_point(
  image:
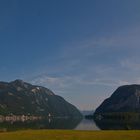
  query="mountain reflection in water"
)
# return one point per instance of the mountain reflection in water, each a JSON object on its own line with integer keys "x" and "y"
{"x": 41, "y": 124}
{"x": 115, "y": 124}
{"x": 76, "y": 124}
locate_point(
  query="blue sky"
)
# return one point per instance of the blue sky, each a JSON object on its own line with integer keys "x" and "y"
{"x": 81, "y": 49}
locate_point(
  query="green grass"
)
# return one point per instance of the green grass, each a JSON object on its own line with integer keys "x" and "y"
{"x": 70, "y": 135}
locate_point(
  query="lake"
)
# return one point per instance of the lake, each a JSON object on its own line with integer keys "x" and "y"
{"x": 75, "y": 124}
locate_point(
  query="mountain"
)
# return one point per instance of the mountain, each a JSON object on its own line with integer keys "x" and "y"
{"x": 124, "y": 99}
{"x": 87, "y": 112}
{"x": 18, "y": 98}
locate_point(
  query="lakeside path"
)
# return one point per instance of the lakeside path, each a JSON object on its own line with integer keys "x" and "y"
{"x": 70, "y": 135}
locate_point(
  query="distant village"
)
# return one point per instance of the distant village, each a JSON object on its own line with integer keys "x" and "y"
{"x": 21, "y": 118}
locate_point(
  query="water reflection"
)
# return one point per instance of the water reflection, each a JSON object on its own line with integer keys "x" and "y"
{"x": 115, "y": 124}
{"x": 86, "y": 124}
{"x": 76, "y": 124}
{"x": 41, "y": 124}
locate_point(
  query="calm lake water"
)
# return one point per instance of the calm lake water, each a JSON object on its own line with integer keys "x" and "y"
{"x": 75, "y": 124}
{"x": 87, "y": 125}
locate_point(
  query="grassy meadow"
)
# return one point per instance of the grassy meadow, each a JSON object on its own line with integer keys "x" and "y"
{"x": 70, "y": 135}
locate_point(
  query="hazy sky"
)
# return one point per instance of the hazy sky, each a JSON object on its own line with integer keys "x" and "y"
{"x": 81, "y": 49}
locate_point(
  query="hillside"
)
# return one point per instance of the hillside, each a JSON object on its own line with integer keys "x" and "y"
{"x": 18, "y": 98}
{"x": 124, "y": 99}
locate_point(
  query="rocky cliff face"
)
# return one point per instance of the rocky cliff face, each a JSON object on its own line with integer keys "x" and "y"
{"x": 19, "y": 97}
{"x": 124, "y": 99}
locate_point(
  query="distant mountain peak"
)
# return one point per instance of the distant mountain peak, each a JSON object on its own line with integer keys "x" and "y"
{"x": 18, "y": 81}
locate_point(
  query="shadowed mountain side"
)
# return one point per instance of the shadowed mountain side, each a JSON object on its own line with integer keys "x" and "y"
{"x": 124, "y": 99}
